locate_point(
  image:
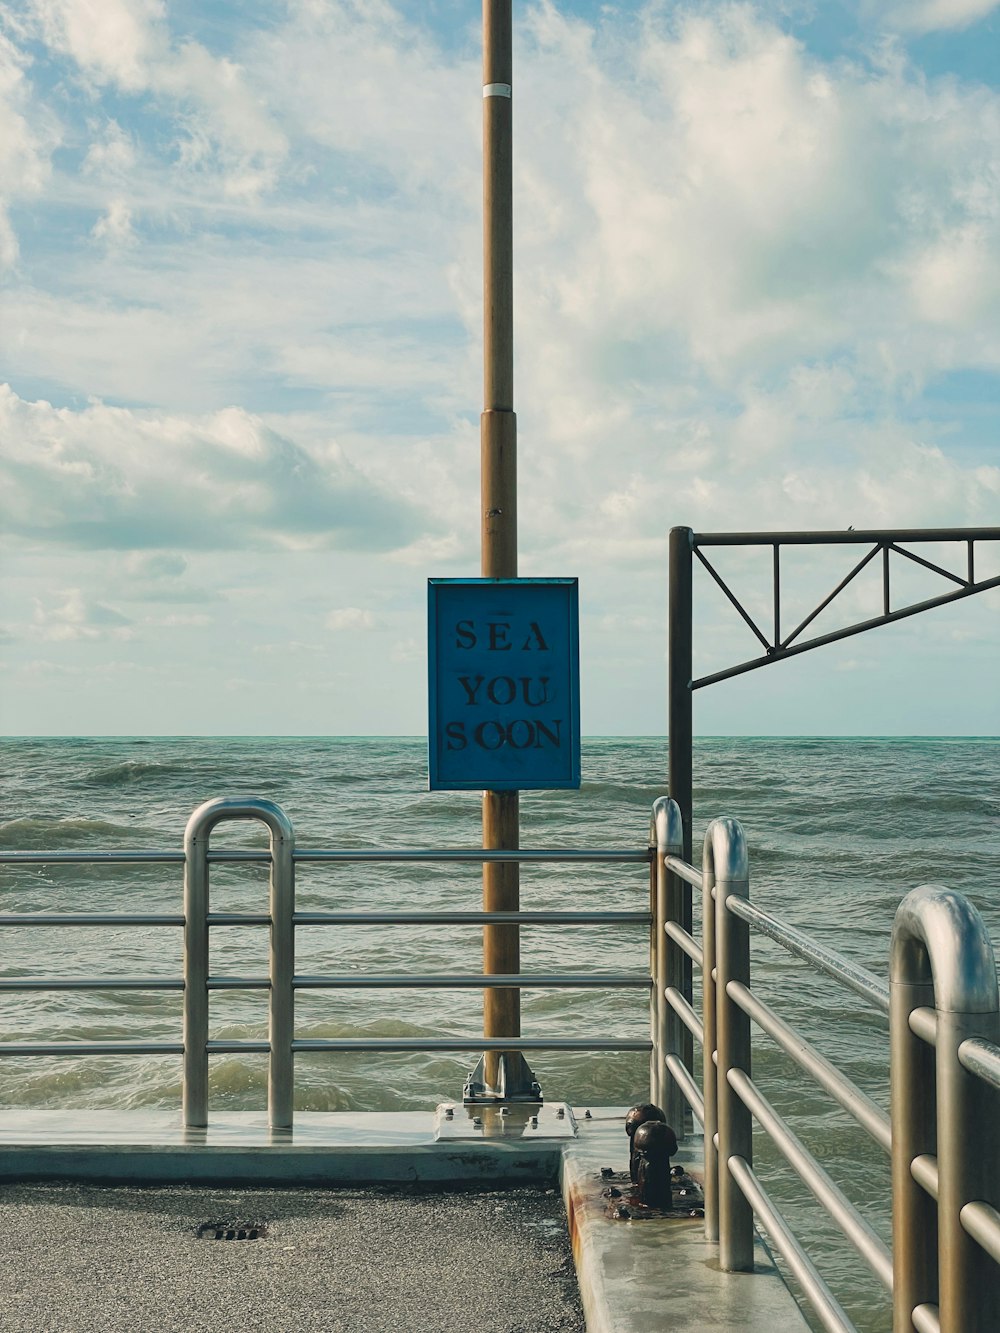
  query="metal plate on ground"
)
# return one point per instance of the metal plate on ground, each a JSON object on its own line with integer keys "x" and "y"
{"x": 516, "y": 1121}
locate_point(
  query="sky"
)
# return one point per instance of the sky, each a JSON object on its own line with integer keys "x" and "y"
{"x": 757, "y": 285}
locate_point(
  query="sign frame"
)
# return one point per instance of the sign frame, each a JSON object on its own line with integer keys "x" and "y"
{"x": 534, "y": 766}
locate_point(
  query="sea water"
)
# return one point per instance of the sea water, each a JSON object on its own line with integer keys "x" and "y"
{"x": 838, "y": 831}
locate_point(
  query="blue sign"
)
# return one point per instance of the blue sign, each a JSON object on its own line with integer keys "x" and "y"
{"x": 504, "y": 658}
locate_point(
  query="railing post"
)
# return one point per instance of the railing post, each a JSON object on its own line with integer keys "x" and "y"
{"x": 725, "y": 869}
{"x": 194, "y": 1084}
{"x": 666, "y": 837}
{"x": 710, "y": 1042}
{"x": 281, "y": 1018}
{"x": 680, "y": 722}
{"x": 941, "y": 954}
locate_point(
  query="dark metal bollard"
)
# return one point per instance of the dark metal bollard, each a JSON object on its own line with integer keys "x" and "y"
{"x": 640, "y": 1115}
{"x": 653, "y": 1144}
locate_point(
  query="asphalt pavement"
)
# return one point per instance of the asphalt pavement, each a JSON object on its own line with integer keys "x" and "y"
{"x": 91, "y": 1259}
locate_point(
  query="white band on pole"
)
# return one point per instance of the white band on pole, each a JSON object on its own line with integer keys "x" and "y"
{"x": 496, "y": 89}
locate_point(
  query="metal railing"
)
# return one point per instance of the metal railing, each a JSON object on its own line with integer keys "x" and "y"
{"x": 943, "y": 1135}
{"x": 943, "y": 1270}
{"x": 282, "y": 981}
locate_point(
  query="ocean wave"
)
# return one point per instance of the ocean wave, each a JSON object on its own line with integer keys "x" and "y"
{"x": 131, "y": 770}
{"x": 48, "y": 834}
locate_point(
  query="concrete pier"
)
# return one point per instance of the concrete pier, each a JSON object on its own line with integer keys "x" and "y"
{"x": 375, "y": 1222}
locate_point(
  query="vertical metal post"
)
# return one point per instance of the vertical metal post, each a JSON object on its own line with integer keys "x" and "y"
{"x": 667, "y": 839}
{"x": 498, "y": 440}
{"x": 725, "y": 869}
{"x": 710, "y": 1042}
{"x": 939, "y": 940}
{"x": 194, "y": 1087}
{"x": 680, "y": 633}
{"x": 913, "y": 1116}
{"x": 281, "y": 1016}
{"x": 776, "y": 579}
{"x": 281, "y": 1011}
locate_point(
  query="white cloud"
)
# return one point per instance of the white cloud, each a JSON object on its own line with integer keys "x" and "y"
{"x": 128, "y": 44}
{"x": 935, "y": 15}
{"x": 744, "y": 277}
{"x": 179, "y": 621}
{"x": 155, "y": 564}
{"x": 349, "y": 618}
{"x": 111, "y": 478}
{"x": 27, "y": 137}
{"x": 111, "y": 154}
{"x": 112, "y": 41}
{"x": 114, "y": 227}
{"x": 79, "y": 618}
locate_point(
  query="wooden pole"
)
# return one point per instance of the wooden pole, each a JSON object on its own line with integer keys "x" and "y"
{"x": 498, "y": 437}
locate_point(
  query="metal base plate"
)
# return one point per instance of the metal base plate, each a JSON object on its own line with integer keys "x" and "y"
{"x": 519, "y": 1120}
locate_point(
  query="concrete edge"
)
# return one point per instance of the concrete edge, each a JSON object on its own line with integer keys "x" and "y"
{"x": 479, "y": 1165}
{"x": 634, "y": 1277}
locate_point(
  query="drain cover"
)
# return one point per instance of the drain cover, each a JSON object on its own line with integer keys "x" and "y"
{"x": 232, "y": 1230}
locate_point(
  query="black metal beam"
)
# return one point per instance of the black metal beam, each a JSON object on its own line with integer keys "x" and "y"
{"x": 845, "y": 536}
{"x": 776, "y": 656}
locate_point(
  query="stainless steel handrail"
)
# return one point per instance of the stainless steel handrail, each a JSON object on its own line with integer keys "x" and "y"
{"x": 282, "y": 981}
{"x": 440, "y": 856}
{"x": 945, "y": 1036}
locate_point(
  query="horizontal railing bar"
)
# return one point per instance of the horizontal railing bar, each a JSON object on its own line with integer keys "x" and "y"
{"x": 683, "y": 870}
{"x": 474, "y": 981}
{"x": 93, "y": 858}
{"x": 478, "y": 855}
{"x": 845, "y": 537}
{"x": 923, "y": 1024}
{"x": 15, "y": 1048}
{"x": 684, "y": 941}
{"x": 90, "y": 919}
{"x": 828, "y": 1309}
{"x": 848, "y": 1095}
{"x": 855, "y": 978}
{"x": 982, "y": 1222}
{"x": 474, "y": 855}
{"x": 89, "y": 983}
{"x": 238, "y": 983}
{"x": 685, "y": 1013}
{"x": 611, "y": 918}
{"x": 831, "y": 1198}
{"x": 472, "y": 1043}
{"x": 349, "y": 981}
{"x": 924, "y": 1170}
{"x": 399, "y": 1045}
{"x": 689, "y": 1089}
{"x": 982, "y": 1058}
{"x": 471, "y": 918}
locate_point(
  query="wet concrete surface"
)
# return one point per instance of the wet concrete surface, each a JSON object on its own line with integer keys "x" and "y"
{"x": 91, "y": 1259}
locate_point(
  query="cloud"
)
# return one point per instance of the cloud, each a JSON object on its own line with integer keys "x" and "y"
{"x": 935, "y": 15}
{"x": 79, "y": 618}
{"x": 112, "y": 154}
{"x": 114, "y": 227}
{"x": 155, "y": 564}
{"x": 26, "y": 143}
{"x": 110, "y": 478}
{"x": 179, "y": 621}
{"x": 127, "y": 44}
{"x": 349, "y": 618}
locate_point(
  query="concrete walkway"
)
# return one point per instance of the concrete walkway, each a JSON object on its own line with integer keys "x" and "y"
{"x": 90, "y": 1259}
{"x": 353, "y": 1246}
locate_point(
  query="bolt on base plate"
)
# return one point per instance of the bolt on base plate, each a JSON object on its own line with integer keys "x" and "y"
{"x": 453, "y": 1120}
